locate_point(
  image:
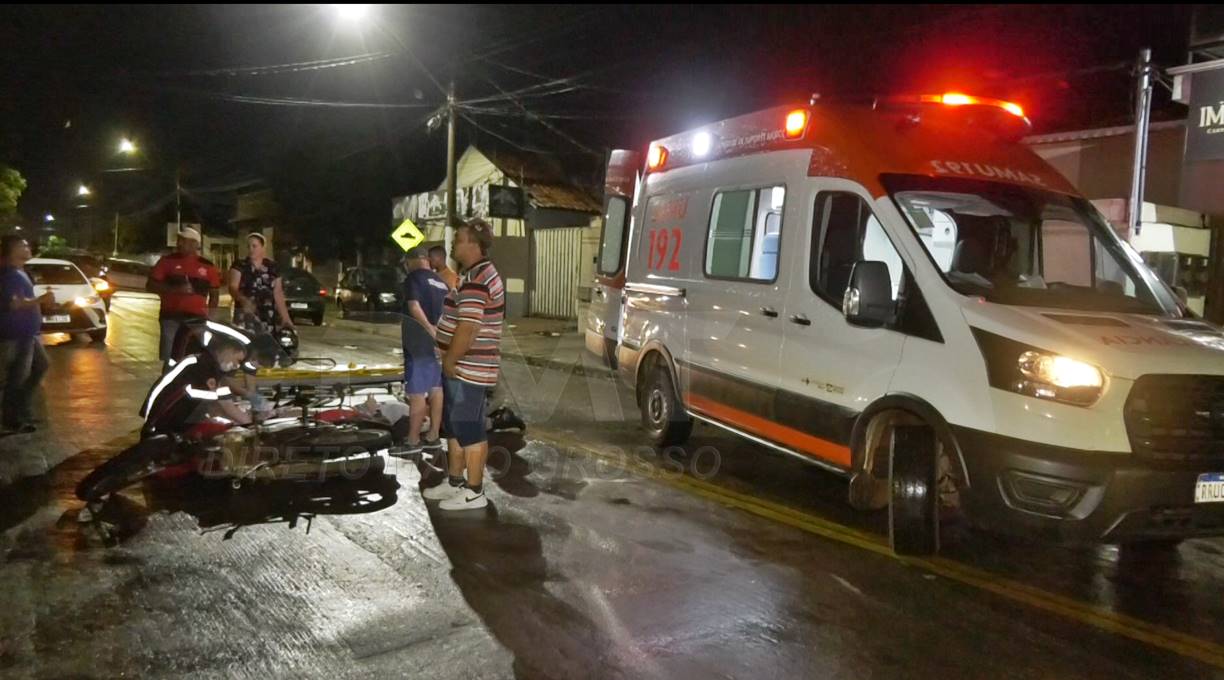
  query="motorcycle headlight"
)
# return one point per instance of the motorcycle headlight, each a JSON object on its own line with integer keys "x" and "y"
{"x": 386, "y": 297}
{"x": 86, "y": 301}
{"x": 101, "y": 285}
{"x": 1020, "y": 368}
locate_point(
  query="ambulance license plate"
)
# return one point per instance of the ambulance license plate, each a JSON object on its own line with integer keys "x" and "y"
{"x": 57, "y": 318}
{"x": 299, "y": 305}
{"x": 1209, "y": 488}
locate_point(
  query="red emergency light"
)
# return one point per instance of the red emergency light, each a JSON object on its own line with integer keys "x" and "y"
{"x": 796, "y": 123}
{"x": 656, "y": 157}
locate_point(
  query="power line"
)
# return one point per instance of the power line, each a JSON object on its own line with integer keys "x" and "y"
{"x": 294, "y": 67}
{"x": 1090, "y": 70}
{"x": 560, "y": 115}
{"x": 518, "y": 103}
{"x": 505, "y": 139}
{"x": 242, "y": 184}
{"x": 420, "y": 64}
{"x": 293, "y": 101}
{"x": 535, "y": 36}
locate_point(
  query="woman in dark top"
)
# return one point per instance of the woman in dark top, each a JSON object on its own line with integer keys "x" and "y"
{"x": 255, "y": 285}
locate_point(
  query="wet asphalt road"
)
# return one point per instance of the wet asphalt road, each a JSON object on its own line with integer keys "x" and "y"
{"x": 597, "y": 559}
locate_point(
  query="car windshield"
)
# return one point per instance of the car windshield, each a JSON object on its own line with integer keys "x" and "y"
{"x": 55, "y": 275}
{"x": 299, "y": 281}
{"x": 381, "y": 277}
{"x": 1026, "y": 246}
{"x": 89, "y": 265}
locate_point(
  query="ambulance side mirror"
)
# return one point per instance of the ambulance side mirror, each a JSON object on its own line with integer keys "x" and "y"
{"x": 868, "y": 298}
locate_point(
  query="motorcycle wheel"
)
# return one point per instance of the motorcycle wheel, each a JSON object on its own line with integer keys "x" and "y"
{"x": 341, "y": 442}
{"x": 118, "y": 473}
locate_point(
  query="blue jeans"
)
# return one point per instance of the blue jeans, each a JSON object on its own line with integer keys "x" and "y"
{"x": 169, "y": 328}
{"x": 463, "y": 412}
{"x": 22, "y": 366}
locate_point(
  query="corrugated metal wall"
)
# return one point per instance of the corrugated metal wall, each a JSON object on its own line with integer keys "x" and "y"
{"x": 558, "y": 254}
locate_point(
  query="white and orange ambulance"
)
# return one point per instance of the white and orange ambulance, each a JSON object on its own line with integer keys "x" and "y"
{"x": 898, "y": 291}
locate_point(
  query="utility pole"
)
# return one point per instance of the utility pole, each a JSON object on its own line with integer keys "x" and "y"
{"x": 178, "y": 200}
{"x": 115, "y": 249}
{"x": 452, "y": 218}
{"x": 1143, "y": 109}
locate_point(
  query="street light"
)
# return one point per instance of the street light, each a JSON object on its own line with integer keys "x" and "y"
{"x": 351, "y": 14}
{"x": 49, "y": 218}
{"x": 83, "y": 191}
{"x": 127, "y": 146}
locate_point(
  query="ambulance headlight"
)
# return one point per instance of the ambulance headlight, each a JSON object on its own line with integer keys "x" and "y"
{"x": 1059, "y": 371}
{"x": 1020, "y": 368}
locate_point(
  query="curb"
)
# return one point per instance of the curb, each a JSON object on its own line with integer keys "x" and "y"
{"x": 393, "y": 331}
{"x": 386, "y": 330}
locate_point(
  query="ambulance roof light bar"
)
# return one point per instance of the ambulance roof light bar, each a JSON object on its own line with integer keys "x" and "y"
{"x": 956, "y": 99}
{"x": 947, "y": 99}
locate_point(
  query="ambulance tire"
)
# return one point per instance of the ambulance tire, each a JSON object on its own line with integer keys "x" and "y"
{"x": 663, "y": 416}
{"x": 913, "y": 508}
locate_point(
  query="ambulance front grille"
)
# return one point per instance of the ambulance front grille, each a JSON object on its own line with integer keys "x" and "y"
{"x": 1177, "y": 419}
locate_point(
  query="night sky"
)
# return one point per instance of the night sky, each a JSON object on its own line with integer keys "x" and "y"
{"x": 77, "y": 78}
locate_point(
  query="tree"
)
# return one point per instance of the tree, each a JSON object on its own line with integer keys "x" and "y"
{"x": 55, "y": 245}
{"x": 12, "y": 184}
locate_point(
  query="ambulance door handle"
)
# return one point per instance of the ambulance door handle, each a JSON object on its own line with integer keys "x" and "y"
{"x": 801, "y": 320}
{"x": 770, "y": 312}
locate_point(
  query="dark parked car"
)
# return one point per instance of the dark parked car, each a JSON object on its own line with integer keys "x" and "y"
{"x": 304, "y": 295}
{"x": 127, "y": 274}
{"x": 372, "y": 288}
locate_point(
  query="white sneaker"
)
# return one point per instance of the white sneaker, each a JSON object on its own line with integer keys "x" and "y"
{"x": 442, "y": 491}
{"x": 468, "y": 500}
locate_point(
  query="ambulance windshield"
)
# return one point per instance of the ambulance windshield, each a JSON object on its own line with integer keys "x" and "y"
{"x": 1027, "y": 246}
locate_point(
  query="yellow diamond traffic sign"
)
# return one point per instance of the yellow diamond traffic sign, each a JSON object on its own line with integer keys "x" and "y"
{"x": 407, "y": 236}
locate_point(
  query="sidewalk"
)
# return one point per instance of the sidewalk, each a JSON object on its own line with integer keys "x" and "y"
{"x": 549, "y": 343}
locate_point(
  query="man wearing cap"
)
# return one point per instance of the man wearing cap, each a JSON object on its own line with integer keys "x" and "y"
{"x": 188, "y": 286}
{"x": 423, "y": 295}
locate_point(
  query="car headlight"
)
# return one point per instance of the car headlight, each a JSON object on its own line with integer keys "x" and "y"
{"x": 86, "y": 301}
{"x": 386, "y": 297}
{"x": 1020, "y": 368}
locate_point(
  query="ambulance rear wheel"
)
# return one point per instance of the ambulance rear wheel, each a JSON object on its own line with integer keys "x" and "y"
{"x": 663, "y": 416}
{"x": 913, "y": 508}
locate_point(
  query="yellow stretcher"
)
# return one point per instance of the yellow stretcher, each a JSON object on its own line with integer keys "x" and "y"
{"x": 349, "y": 375}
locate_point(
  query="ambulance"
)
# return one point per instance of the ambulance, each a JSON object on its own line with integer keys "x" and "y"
{"x": 898, "y": 291}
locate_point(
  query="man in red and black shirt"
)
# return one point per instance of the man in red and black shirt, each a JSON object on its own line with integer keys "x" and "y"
{"x": 188, "y": 285}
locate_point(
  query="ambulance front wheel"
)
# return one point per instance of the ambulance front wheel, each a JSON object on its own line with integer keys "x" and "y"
{"x": 663, "y": 416}
{"x": 913, "y": 507}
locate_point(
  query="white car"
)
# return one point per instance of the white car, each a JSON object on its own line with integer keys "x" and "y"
{"x": 77, "y": 307}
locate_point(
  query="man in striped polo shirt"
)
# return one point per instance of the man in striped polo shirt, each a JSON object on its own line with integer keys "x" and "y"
{"x": 469, "y": 345}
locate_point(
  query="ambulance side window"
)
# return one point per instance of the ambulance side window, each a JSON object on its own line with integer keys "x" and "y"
{"x": 844, "y": 232}
{"x": 615, "y": 224}
{"x": 744, "y": 234}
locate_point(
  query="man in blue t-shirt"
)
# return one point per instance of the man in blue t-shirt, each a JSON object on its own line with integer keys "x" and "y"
{"x": 23, "y": 361}
{"x": 423, "y": 294}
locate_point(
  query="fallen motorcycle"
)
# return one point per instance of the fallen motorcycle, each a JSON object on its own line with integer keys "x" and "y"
{"x": 302, "y": 448}
{"x": 309, "y": 446}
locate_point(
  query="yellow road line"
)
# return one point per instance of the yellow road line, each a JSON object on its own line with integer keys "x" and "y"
{"x": 1091, "y": 615}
